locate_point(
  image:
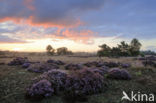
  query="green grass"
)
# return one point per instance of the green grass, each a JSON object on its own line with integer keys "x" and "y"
{"x": 14, "y": 80}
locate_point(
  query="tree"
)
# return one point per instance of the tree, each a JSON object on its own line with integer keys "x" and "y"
{"x": 63, "y": 51}
{"x": 124, "y": 49}
{"x": 50, "y": 50}
{"x": 135, "y": 46}
{"x": 115, "y": 52}
{"x": 104, "y": 51}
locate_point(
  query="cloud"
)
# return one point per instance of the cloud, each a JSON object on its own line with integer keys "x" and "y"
{"x": 81, "y": 36}
{"x": 26, "y": 32}
{"x": 6, "y": 39}
{"x": 153, "y": 48}
{"x": 35, "y": 19}
{"x": 48, "y": 13}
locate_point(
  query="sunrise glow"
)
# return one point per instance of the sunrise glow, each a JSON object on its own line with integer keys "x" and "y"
{"x": 80, "y": 27}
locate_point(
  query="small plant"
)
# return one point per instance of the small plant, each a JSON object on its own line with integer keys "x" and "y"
{"x": 139, "y": 73}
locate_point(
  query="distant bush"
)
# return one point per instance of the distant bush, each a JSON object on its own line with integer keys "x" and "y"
{"x": 123, "y": 49}
{"x": 3, "y": 52}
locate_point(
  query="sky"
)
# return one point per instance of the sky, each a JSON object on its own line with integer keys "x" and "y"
{"x": 79, "y": 25}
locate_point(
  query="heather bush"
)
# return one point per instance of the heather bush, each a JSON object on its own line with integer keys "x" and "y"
{"x": 84, "y": 82}
{"x": 117, "y": 73}
{"x": 18, "y": 61}
{"x": 90, "y": 64}
{"x": 125, "y": 65}
{"x": 111, "y": 64}
{"x": 73, "y": 66}
{"x": 41, "y": 67}
{"x": 56, "y": 77}
{"x": 74, "y": 84}
{"x": 99, "y": 64}
{"x": 26, "y": 65}
{"x": 102, "y": 71}
{"x": 57, "y": 62}
{"x": 39, "y": 90}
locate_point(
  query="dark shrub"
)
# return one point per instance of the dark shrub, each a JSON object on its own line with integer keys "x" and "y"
{"x": 2, "y": 63}
{"x": 111, "y": 64}
{"x": 151, "y": 58}
{"x": 99, "y": 64}
{"x": 58, "y": 62}
{"x": 102, "y": 71}
{"x": 90, "y": 64}
{"x": 39, "y": 90}
{"x": 18, "y": 61}
{"x": 26, "y": 65}
{"x": 73, "y": 66}
{"x": 148, "y": 63}
{"x": 41, "y": 67}
{"x": 117, "y": 73}
{"x": 125, "y": 65}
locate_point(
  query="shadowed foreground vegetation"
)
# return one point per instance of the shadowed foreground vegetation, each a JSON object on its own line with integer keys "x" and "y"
{"x": 14, "y": 79}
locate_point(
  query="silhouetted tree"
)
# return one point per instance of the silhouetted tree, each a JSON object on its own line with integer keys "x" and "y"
{"x": 123, "y": 49}
{"x": 135, "y": 46}
{"x": 63, "y": 51}
{"x": 104, "y": 51}
{"x": 115, "y": 52}
{"x": 50, "y": 50}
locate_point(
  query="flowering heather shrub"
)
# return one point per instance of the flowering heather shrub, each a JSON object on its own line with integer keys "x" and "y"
{"x": 41, "y": 67}
{"x": 125, "y": 65}
{"x": 39, "y": 90}
{"x": 56, "y": 77}
{"x": 102, "y": 71}
{"x": 58, "y": 62}
{"x": 89, "y": 64}
{"x": 26, "y": 65}
{"x": 100, "y": 64}
{"x": 111, "y": 64}
{"x": 117, "y": 73}
{"x": 74, "y": 66}
{"x": 83, "y": 82}
{"x": 18, "y": 61}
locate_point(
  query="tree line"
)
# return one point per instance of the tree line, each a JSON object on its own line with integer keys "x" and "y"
{"x": 122, "y": 49}
{"x": 58, "y": 51}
